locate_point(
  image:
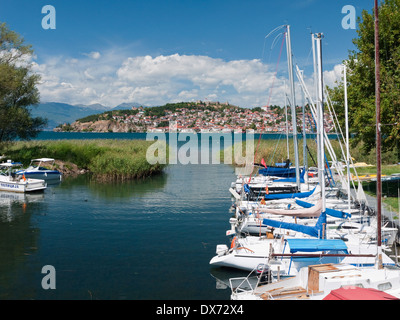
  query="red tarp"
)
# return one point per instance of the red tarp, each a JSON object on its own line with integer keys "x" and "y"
{"x": 357, "y": 293}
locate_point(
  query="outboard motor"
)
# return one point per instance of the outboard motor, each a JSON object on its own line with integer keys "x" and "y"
{"x": 221, "y": 250}
{"x": 264, "y": 273}
{"x": 233, "y": 223}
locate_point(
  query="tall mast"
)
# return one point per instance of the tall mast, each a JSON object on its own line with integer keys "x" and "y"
{"x": 287, "y": 125}
{"x": 346, "y": 111}
{"x": 315, "y": 63}
{"x": 293, "y": 105}
{"x": 320, "y": 125}
{"x": 378, "y": 137}
{"x": 304, "y": 129}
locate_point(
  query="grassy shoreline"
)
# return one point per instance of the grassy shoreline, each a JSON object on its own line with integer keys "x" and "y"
{"x": 105, "y": 159}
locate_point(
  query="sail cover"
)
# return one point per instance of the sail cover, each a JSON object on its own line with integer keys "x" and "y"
{"x": 292, "y": 179}
{"x": 309, "y": 212}
{"x": 274, "y": 196}
{"x": 329, "y": 211}
{"x": 312, "y": 245}
{"x": 278, "y": 172}
{"x": 315, "y": 231}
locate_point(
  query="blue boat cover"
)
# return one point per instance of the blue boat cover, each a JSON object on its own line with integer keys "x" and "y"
{"x": 274, "y": 196}
{"x": 293, "y": 179}
{"x": 282, "y": 164}
{"x": 278, "y": 172}
{"x": 312, "y": 245}
{"x": 331, "y": 212}
{"x": 315, "y": 231}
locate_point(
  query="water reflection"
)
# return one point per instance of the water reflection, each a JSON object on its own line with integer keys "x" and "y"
{"x": 115, "y": 189}
{"x": 110, "y": 240}
{"x": 18, "y": 236}
{"x": 14, "y": 205}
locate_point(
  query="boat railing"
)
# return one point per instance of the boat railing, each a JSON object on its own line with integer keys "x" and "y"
{"x": 244, "y": 285}
{"x": 263, "y": 274}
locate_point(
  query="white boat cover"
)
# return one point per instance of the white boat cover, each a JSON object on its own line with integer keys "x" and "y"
{"x": 313, "y": 211}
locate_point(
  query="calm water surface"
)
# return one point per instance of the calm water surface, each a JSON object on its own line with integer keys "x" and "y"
{"x": 149, "y": 239}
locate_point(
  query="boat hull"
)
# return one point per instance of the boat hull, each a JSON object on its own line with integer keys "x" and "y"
{"x": 30, "y": 185}
{"x": 42, "y": 175}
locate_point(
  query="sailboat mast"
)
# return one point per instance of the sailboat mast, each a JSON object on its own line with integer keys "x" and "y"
{"x": 315, "y": 63}
{"x": 304, "y": 129}
{"x": 293, "y": 105}
{"x": 378, "y": 137}
{"x": 320, "y": 126}
{"x": 287, "y": 126}
{"x": 346, "y": 111}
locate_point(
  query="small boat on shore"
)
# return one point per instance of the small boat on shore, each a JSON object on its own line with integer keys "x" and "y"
{"x": 41, "y": 168}
{"x": 10, "y": 181}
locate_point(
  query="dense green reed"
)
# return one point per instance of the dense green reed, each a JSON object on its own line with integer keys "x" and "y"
{"x": 273, "y": 151}
{"x": 276, "y": 151}
{"x": 105, "y": 159}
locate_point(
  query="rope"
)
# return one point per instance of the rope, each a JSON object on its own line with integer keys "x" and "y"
{"x": 276, "y": 70}
{"x": 269, "y": 98}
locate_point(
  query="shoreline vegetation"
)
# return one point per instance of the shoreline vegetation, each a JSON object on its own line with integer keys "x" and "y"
{"x": 123, "y": 159}
{"x": 275, "y": 150}
{"x": 104, "y": 159}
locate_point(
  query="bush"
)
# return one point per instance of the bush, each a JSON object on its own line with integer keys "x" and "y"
{"x": 105, "y": 159}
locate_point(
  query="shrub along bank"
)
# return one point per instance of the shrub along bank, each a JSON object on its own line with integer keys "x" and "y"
{"x": 105, "y": 159}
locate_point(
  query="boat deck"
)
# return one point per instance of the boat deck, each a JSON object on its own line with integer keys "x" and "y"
{"x": 285, "y": 293}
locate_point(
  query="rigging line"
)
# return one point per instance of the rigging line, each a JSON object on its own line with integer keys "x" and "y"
{"x": 276, "y": 70}
{"x": 255, "y": 156}
{"x": 276, "y": 29}
{"x": 273, "y": 81}
{"x": 276, "y": 146}
{"x": 311, "y": 121}
{"x": 265, "y": 39}
{"x": 273, "y": 45}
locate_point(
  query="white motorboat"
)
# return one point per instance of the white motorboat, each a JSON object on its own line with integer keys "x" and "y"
{"x": 41, "y": 168}
{"x": 10, "y": 181}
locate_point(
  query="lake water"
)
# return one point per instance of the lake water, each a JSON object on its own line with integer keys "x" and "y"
{"x": 150, "y": 239}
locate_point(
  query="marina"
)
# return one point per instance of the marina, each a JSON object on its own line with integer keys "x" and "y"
{"x": 285, "y": 236}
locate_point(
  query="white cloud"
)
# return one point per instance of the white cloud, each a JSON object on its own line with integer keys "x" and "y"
{"x": 331, "y": 76}
{"x": 188, "y": 95}
{"x": 111, "y": 78}
{"x": 94, "y": 55}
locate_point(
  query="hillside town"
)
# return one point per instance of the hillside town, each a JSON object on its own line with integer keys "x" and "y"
{"x": 196, "y": 116}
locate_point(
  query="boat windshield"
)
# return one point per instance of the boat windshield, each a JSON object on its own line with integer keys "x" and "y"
{"x": 41, "y": 165}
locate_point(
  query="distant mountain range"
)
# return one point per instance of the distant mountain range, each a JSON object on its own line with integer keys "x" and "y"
{"x": 60, "y": 113}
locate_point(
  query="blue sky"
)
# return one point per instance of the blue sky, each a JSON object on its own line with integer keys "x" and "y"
{"x": 159, "y": 51}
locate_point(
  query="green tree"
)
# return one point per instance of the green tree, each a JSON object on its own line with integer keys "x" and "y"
{"x": 361, "y": 79}
{"x": 18, "y": 91}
